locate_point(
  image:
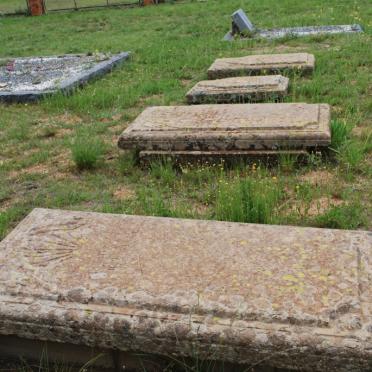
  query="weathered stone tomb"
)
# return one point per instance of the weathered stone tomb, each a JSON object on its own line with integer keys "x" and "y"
{"x": 229, "y": 128}
{"x": 243, "y": 27}
{"x": 239, "y": 90}
{"x": 290, "y": 296}
{"x": 262, "y": 64}
{"x": 31, "y": 78}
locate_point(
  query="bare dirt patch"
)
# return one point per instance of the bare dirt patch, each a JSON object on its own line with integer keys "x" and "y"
{"x": 63, "y": 132}
{"x": 185, "y": 82}
{"x": 318, "y": 206}
{"x": 124, "y": 193}
{"x": 317, "y": 177}
{"x": 67, "y": 118}
{"x": 6, "y": 204}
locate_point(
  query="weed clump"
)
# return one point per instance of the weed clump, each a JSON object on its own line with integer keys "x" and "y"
{"x": 340, "y": 133}
{"x": 248, "y": 200}
{"x": 86, "y": 152}
{"x": 342, "y": 217}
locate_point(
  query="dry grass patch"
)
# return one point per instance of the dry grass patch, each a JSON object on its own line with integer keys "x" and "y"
{"x": 318, "y": 206}
{"x": 124, "y": 193}
{"x": 318, "y": 177}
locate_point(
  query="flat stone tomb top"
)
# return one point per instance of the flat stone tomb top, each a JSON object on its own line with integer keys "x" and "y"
{"x": 55, "y": 253}
{"x": 76, "y": 271}
{"x": 261, "y": 63}
{"x": 252, "y": 86}
{"x": 229, "y": 127}
{"x": 28, "y": 78}
{"x": 308, "y": 31}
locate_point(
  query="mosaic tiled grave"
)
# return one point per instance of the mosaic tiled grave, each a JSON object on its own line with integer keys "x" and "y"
{"x": 31, "y": 78}
{"x": 239, "y": 89}
{"x": 262, "y": 64}
{"x": 229, "y": 128}
{"x": 243, "y": 292}
{"x": 243, "y": 27}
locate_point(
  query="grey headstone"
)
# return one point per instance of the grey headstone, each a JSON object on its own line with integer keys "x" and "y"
{"x": 242, "y": 22}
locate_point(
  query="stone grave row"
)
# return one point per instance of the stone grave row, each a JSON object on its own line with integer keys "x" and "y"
{"x": 286, "y": 297}
{"x": 235, "y": 80}
{"x": 214, "y": 127}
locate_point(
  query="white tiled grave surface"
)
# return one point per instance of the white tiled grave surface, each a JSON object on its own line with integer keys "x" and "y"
{"x": 23, "y": 79}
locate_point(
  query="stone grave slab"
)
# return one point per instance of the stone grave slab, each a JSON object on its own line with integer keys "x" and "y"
{"x": 31, "y": 78}
{"x": 228, "y": 127}
{"x": 301, "y": 296}
{"x": 239, "y": 89}
{"x": 244, "y": 28}
{"x": 277, "y": 33}
{"x": 262, "y": 64}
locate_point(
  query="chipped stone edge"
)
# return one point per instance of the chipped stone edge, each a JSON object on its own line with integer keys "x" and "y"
{"x": 68, "y": 85}
{"x": 170, "y": 333}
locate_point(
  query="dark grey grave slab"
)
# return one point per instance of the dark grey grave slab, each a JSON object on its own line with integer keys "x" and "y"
{"x": 31, "y": 78}
{"x": 241, "y": 25}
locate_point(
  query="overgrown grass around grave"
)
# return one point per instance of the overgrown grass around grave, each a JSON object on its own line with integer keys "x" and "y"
{"x": 250, "y": 199}
{"x": 173, "y": 45}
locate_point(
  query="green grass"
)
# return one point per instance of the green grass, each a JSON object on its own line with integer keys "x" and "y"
{"x": 86, "y": 151}
{"x": 173, "y": 45}
{"x": 340, "y": 134}
{"x": 252, "y": 199}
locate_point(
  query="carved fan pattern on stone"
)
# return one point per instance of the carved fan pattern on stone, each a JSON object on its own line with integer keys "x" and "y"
{"x": 58, "y": 243}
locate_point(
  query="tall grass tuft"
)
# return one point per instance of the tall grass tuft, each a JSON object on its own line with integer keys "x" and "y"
{"x": 351, "y": 154}
{"x": 340, "y": 133}
{"x": 163, "y": 170}
{"x": 86, "y": 151}
{"x": 248, "y": 200}
{"x": 342, "y": 217}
